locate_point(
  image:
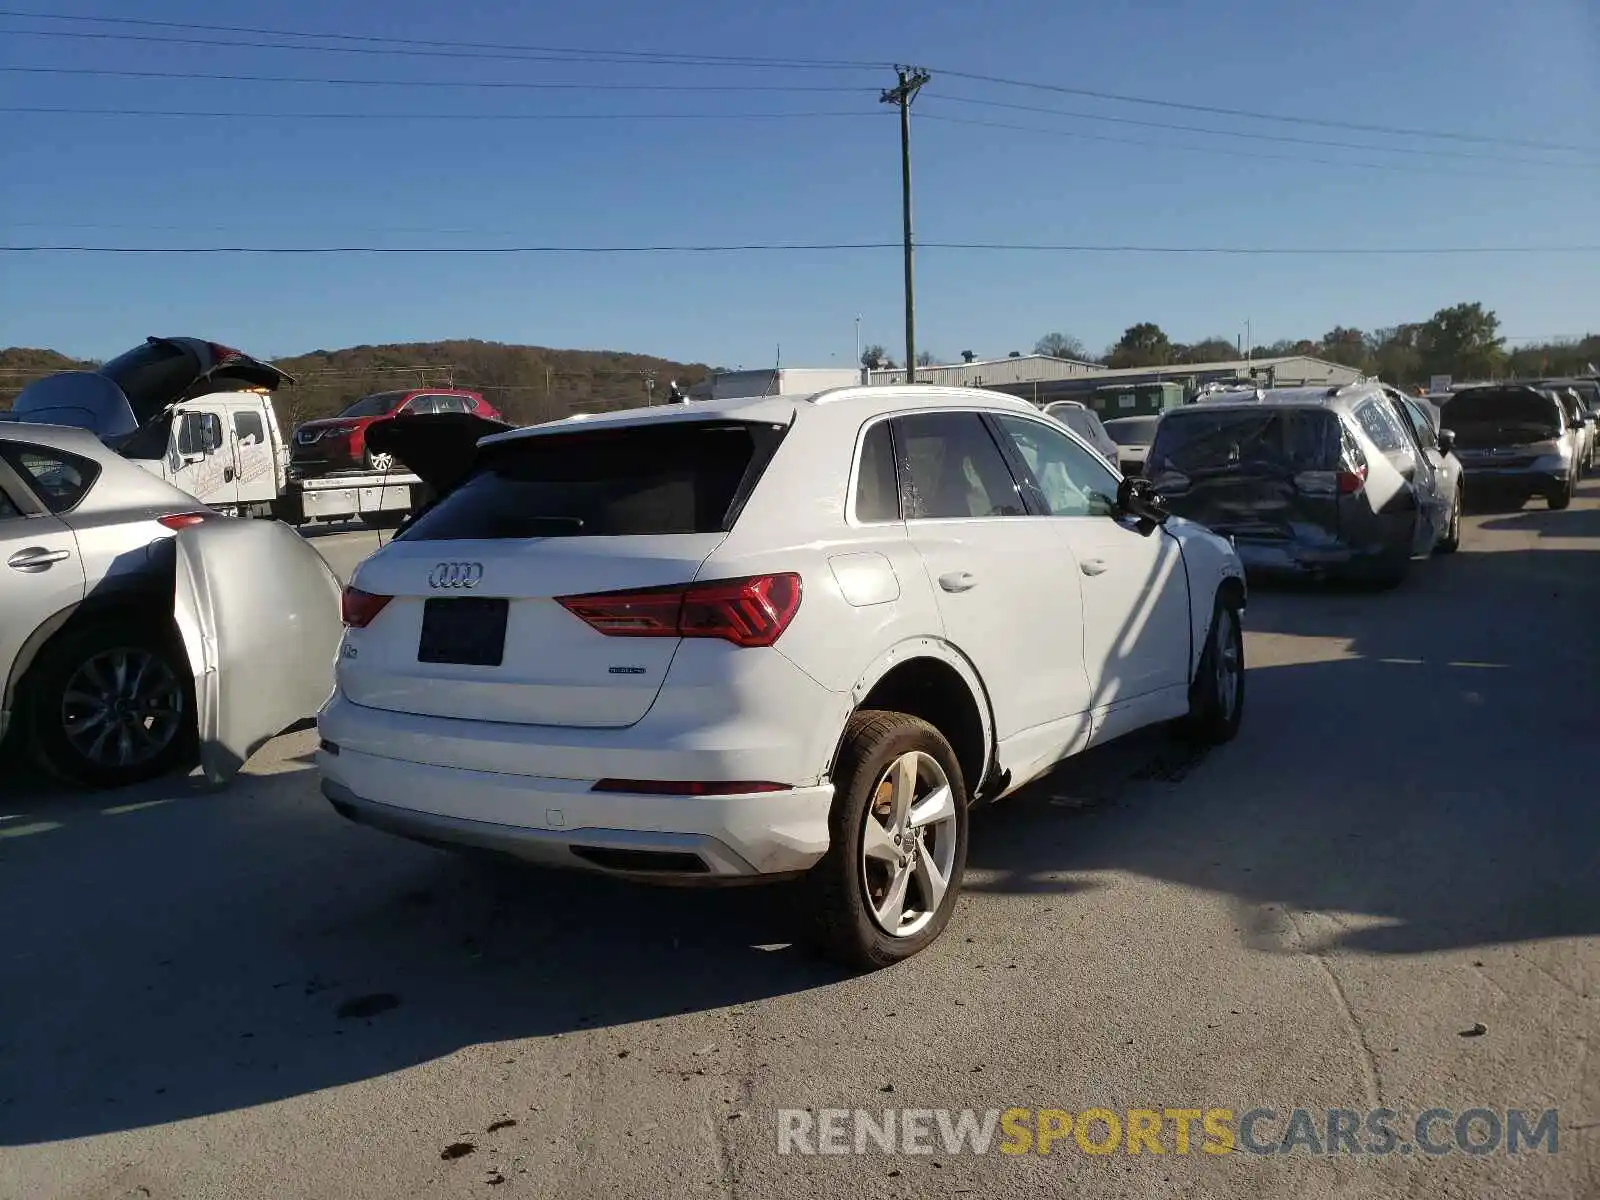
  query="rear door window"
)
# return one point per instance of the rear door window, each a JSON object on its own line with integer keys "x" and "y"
{"x": 951, "y": 469}
{"x": 655, "y": 478}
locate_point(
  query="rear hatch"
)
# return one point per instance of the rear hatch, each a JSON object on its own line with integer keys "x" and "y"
{"x": 1259, "y": 473}
{"x": 1513, "y": 425}
{"x": 474, "y": 611}
{"x": 150, "y": 378}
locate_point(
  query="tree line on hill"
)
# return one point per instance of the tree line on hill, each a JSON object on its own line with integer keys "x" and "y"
{"x": 526, "y": 383}
{"x": 1462, "y": 341}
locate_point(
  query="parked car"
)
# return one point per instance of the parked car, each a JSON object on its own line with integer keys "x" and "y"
{"x": 1132, "y": 436}
{"x": 1582, "y": 423}
{"x": 139, "y": 629}
{"x": 769, "y": 638}
{"x": 1426, "y": 425}
{"x": 1081, "y": 419}
{"x": 1588, "y": 390}
{"x": 340, "y": 443}
{"x": 1515, "y": 442}
{"x": 1308, "y": 480}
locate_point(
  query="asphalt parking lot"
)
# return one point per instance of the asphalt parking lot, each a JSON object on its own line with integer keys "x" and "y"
{"x": 1386, "y": 893}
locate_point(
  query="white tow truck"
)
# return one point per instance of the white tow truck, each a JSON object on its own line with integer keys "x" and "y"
{"x": 200, "y": 416}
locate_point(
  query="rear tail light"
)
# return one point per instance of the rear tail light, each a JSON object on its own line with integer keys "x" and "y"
{"x": 1352, "y": 481}
{"x": 358, "y": 608}
{"x": 746, "y": 612}
{"x": 674, "y": 787}
{"x": 176, "y": 521}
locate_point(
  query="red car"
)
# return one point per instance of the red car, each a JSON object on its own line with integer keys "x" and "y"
{"x": 340, "y": 443}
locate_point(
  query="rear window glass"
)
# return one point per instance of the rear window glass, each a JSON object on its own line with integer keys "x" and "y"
{"x": 375, "y": 405}
{"x": 642, "y": 479}
{"x": 1501, "y": 405}
{"x": 1131, "y": 431}
{"x": 1208, "y": 439}
{"x": 59, "y": 479}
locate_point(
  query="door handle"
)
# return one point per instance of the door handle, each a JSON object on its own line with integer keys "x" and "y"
{"x": 36, "y": 558}
{"x": 227, "y": 474}
{"x": 958, "y": 581}
{"x": 1094, "y": 566}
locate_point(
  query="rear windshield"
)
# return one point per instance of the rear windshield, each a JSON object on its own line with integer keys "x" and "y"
{"x": 686, "y": 477}
{"x": 1076, "y": 419}
{"x": 1209, "y": 439}
{"x": 152, "y": 376}
{"x": 1132, "y": 431}
{"x": 1501, "y": 406}
{"x": 374, "y": 406}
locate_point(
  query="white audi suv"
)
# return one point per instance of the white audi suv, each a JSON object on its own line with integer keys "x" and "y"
{"x": 774, "y": 638}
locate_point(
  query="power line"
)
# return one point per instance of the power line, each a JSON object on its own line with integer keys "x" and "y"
{"x": 474, "y": 84}
{"x": 641, "y": 55}
{"x": 1392, "y": 130}
{"x": 347, "y": 116}
{"x": 616, "y": 59}
{"x": 1236, "y": 133}
{"x": 374, "y": 44}
{"x": 792, "y": 247}
{"x": 1182, "y": 147}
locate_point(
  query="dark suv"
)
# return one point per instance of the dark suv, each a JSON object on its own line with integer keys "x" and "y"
{"x": 1311, "y": 481}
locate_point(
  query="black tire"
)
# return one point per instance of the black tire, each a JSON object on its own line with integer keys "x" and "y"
{"x": 48, "y": 707}
{"x": 1560, "y": 499}
{"x": 1212, "y": 720}
{"x": 1451, "y": 542}
{"x": 842, "y": 925}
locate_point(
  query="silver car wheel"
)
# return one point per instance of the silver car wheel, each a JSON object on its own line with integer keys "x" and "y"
{"x": 122, "y": 708}
{"x": 381, "y": 462}
{"x": 908, "y": 845}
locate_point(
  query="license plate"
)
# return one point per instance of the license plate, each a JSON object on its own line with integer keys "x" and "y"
{"x": 467, "y": 632}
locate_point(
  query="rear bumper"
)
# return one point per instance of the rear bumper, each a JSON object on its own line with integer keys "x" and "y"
{"x": 560, "y": 822}
{"x": 1515, "y": 480}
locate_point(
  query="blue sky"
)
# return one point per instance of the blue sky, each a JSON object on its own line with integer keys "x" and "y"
{"x": 1526, "y": 74}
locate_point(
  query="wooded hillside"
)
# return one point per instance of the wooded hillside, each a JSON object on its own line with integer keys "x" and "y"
{"x": 527, "y": 383}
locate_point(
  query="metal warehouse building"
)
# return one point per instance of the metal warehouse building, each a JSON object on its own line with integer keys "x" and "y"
{"x": 1036, "y": 377}
{"x": 1040, "y": 378}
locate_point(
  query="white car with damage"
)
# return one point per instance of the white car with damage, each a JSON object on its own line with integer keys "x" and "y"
{"x": 783, "y": 638}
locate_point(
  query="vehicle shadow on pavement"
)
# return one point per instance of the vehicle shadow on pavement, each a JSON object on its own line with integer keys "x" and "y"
{"x": 1429, "y": 782}
{"x": 208, "y": 953}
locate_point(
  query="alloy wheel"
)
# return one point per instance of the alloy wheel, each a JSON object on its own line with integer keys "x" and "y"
{"x": 122, "y": 708}
{"x": 908, "y": 845}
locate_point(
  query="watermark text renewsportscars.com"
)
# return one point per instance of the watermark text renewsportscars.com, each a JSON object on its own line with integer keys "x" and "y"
{"x": 1432, "y": 1132}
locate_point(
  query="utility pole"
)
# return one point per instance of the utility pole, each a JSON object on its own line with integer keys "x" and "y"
{"x": 901, "y": 95}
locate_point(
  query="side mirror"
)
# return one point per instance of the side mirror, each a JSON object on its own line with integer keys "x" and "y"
{"x": 1136, "y": 497}
{"x": 1447, "y": 441}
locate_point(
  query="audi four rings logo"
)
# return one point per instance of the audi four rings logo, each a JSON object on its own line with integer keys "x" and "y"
{"x": 456, "y": 575}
